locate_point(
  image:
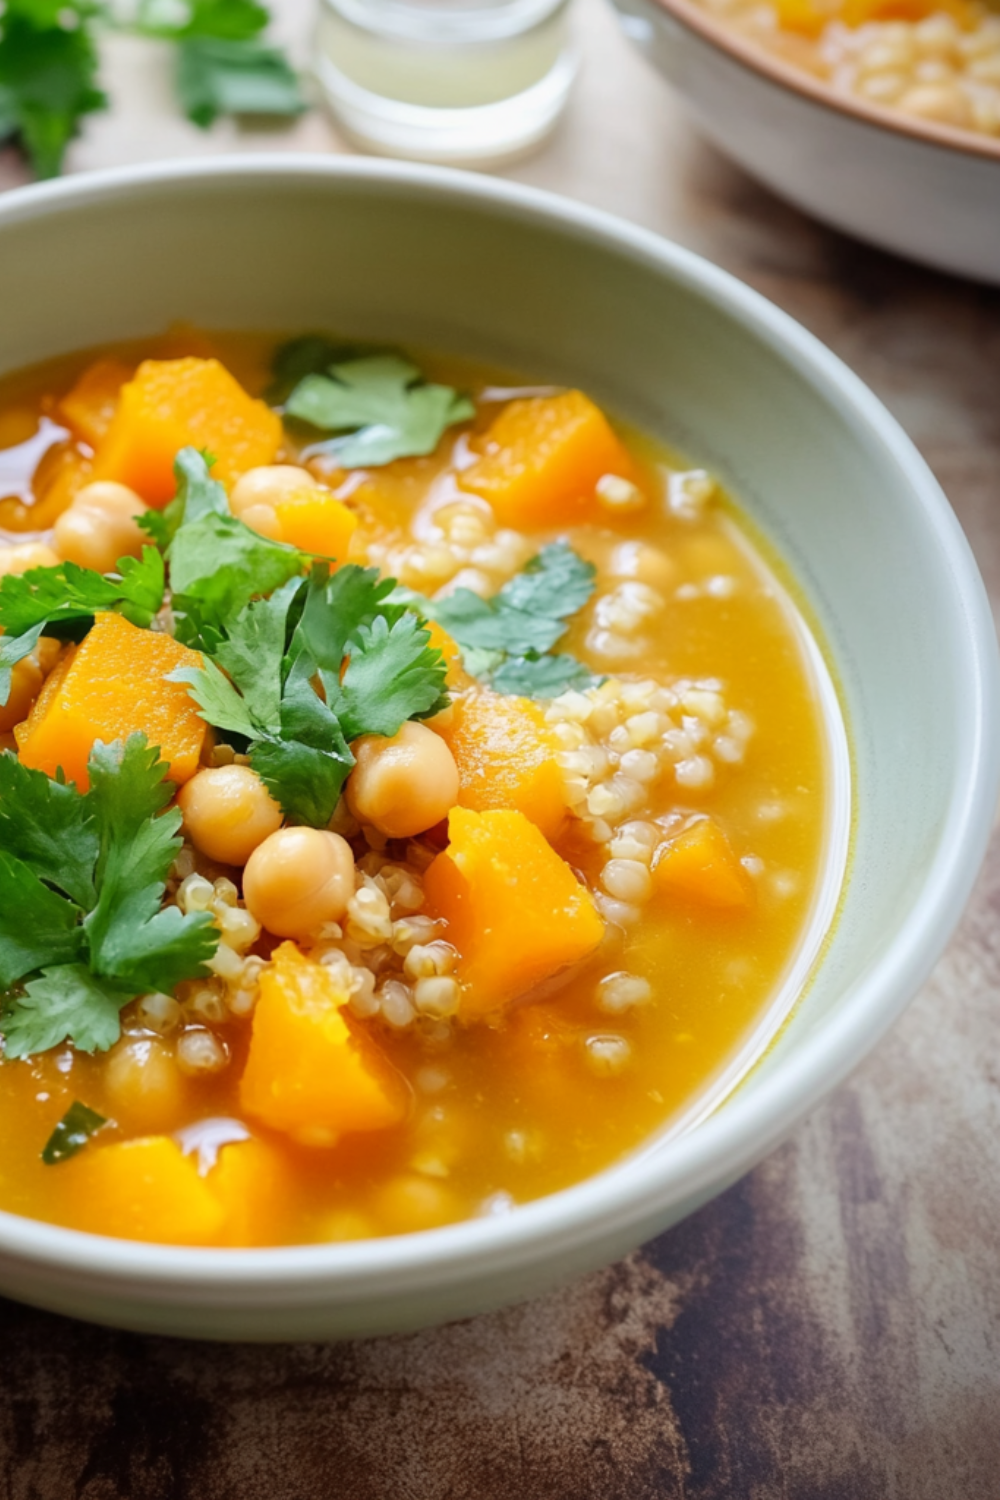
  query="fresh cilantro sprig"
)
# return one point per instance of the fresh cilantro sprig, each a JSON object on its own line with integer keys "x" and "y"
{"x": 48, "y": 76}
{"x": 371, "y": 658}
{"x": 63, "y": 600}
{"x": 381, "y": 402}
{"x": 72, "y": 1133}
{"x": 217, "y": 564}
{"x": 222, "y": 64}
{"x": 507, "y": 640}
{"x": 82, "y": 877}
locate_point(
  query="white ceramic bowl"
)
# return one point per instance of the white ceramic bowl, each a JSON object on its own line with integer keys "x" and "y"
{"x": 925, "y": 191}
{"x": 481, "y": 267}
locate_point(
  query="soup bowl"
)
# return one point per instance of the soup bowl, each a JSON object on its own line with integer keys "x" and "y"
{"x": 672, "y": 344}
{"x": 924, "y": 190}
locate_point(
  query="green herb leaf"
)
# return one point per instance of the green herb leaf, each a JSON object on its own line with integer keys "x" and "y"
{"x": 505, "y": 640}
{"x": 541, "y": 676}
{"x": 67, "y": 594}
{"x": 50, "y": 827}
{"x": 254, "y": 649}
{"x": 393, "y": 674}
{"x": 310, "y": 354}
{"x": 377, "y": 400}
{"x": 37, "y": 926}
{"x": 215, "y": 561}
{"x": 72, "y": 1133}
{"x": 48, "y": 78}
{"x": 173, "y": 19}
{"x": 131, "y": 940}
{"x": 14, "y": 648}
{"x": 67, "y": 1002}
{"x": 218, "y": 701}
{"x": 220, "y": 77}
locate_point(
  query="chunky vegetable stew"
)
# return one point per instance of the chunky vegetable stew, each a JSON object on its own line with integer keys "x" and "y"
{"x": 415, "y": 791}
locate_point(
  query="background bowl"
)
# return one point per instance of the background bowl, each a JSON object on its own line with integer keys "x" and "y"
{"x": 483, "y": 268}
{"x": 925, "y": 191}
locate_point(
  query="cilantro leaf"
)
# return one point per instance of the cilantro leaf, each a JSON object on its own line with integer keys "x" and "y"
{"x": 49, "y": 826}
{"x": 218, "y": 700}
{"x": 377, "y": 401}
{"x": 309, "y": 354}
{"x": 216, "y": 561}
{"x": 131, "y": 940}
{"x": 306, "y": 768}
{"x": 67, "y": 1001}
{"x": 48, "y": 78}
{"x": 393, "y": 674}
{"x": 37, "y": 925}
{"x": 253, "y": 651}
{"x": 171, "y": 19}
{"x": 505, "y": 639}
{"x": 246, "y": 77}
{"x": 535, "y": 676}
{"x": 72, "y": 1133}
{"x": 53, "y": 597}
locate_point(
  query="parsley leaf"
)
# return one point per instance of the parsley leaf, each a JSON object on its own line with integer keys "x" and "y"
{"x": 66, "y": 1003}
{"x": 37, "y": 926}
{"x": 505, "y": 639}
{"x": 82, "y": 879}
{"x": 377, "y": 401}
{"x": 131, "y": 940}
{"x": 68, "y": 593}
{"x": 219, "y": 77}
{"x": 261, "y": 681}
{"x": 217, "y": 564}
{"x": 48, "y": 77}
{"x": 49, "y": 826}
{"x": 72, "y": 1133}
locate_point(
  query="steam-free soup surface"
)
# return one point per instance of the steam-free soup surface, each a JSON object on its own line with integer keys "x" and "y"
{"x": 568, "y": 945}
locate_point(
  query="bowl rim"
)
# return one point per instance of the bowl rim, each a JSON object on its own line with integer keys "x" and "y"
{"x": 634, "y": 1195}
{"x": 756, "y": 59}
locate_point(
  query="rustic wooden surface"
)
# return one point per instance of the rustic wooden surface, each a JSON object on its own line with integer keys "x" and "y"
{"x": 827, "y": 1330}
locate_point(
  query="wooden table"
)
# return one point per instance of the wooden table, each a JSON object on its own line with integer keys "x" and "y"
{"x": 829, "y": 1329}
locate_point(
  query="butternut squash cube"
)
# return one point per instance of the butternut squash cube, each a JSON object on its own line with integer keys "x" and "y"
{"x": 178, "y": 403}
{"x": 317, "y": 523}
{"x": 90, "y": 406}
{"x": 515, "y": 911}
{"x": 251, "y": 1181}
{"x": 145, "y": 1189}
{"x": 311, "y": 1070}
{"x": 542, "y": 458}
{"x": 700, "y": 866}
{"x": 25, "y": 684}
{"x": 113, "y": 685}
{"x": 506, "y": 758}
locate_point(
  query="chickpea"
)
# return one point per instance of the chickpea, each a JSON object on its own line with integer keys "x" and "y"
{"x": 228, "y": 812}
{"x": 944, "y": 103}
{"x": 405, "y": 784}
{"x": 22, "y": 556}
{"x": 25, "y": 684}
{"x": 143, "y": 1086}
{"x": 267, "y": 486}
{"x": 100, "y": 526}
{"x": 264, "y": 520}
{"x": 298, "y": 879}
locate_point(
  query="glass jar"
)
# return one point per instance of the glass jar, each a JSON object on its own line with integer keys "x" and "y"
{"x": 472, "y": 82}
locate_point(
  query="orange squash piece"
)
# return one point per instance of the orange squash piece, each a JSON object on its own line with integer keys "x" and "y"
{"x": 515, "y": 910}
{"x": 250, "y": 1180}
{"x": 145, "y": 1189}
{"x": 311, "y": 1071}
{"x": 26, "y": 681}
{"x": 175, "y": 403}
{"x": 542, "y": 459}
{"x": 316, "y": 523}
{"x": 90, "y": 406}
{"x": 113, "y": 685}
{"x": 505, "y": 755}
{"x": 700, "y": 866}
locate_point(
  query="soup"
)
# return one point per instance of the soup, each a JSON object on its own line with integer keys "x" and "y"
{"x": 926, "y": 60}
{"x": 417, "y": 792}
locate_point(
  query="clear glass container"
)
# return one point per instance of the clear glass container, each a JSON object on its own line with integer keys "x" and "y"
{"x": 472, "y": 82}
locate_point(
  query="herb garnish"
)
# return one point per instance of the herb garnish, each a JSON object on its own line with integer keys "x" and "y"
{"x": 48, "y": 76}
{"x": 63, "y": 600}
{"x": 378, "y": 401}
{"x": 260, "y": 681}
{"x": 72, "y": 1133}
{"x": 506, "y": 640}
{"x": 82, "y": 879}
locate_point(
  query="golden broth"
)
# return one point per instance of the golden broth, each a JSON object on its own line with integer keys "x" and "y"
{"x": 504, "y": 1113}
